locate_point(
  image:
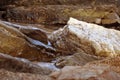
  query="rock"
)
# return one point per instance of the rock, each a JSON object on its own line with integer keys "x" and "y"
{"x": 15, "y": 43}
{"x": 76, "y": 59}
{"x": 59, "y": 11}
{"x": 113, "y": 62}
{"x": 15, "y": 64}
{"x": 35, "y": 35}
{"x": 8, "y": 75}
{"x": 92, "y": 39}
{"x": 30, "y": 31}
{"x": 58, "y": 2}
{"x": 59, "y": 14}
{"x": 96, "y": 72}
{"x": 107, "y": 69}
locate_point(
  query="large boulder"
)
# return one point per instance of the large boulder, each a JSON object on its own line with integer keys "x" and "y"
{"x": 78, "y": 36}
{"x": 15, "y": 43}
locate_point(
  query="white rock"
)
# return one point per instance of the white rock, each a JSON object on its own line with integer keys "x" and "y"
{"x": 90, "y": 38}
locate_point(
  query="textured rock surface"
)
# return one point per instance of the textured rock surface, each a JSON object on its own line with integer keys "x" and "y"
{"x": 76, "y": 59}
{"x": 96, "y": 72}
{"x": 108, "y": 69}
{"x": 59, "y": 11}
{"x": 8, "y": 75}
{"x": 30, "y": 31}
{"x": 57, "y": 2}
{"x": 114, "y": 63}
{"x": 15, "y": 43}
{"x": 59, "y": 14}
{"x": 79, "y": 36}
{"x": 23, "y": 65}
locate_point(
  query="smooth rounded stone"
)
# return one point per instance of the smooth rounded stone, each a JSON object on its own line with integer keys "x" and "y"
{"x": 87, "y": 72}
{"x": 93, "y": 39}
{"x": 9, "y": 75}
{"x": 59, "y": 14}
{"x": 15, "y": 43}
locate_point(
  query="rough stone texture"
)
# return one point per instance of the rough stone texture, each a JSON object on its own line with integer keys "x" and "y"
{"x": 30, "y": 31}
{"x": 107, "y": 69}
{"x": 113, "y": 62}
{"x": 15, "y": 64}
{"x": 79, "y": 36}
{"x": 15, "y": 43}
{"x": 76, "y": 59}
{"x": 58, "y": 2}
{"x": 96, "y": 72}
{"x": 8, "y": 75}
{"x": 59, "y": 14}
{"x": 59, "y": 11}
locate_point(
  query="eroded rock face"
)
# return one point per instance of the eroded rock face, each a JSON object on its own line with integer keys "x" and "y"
{"x": 15, "y": 43}
{"x": 79, "y": 36}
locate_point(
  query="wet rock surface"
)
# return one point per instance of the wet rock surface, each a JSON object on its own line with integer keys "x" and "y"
{"x": 15, "y": 43}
